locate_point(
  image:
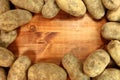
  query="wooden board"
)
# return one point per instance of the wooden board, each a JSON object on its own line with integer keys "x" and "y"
{"x": 48, "y": 40}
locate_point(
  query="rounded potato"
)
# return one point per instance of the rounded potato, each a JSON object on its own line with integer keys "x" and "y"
{"x": 18, "y": 70}
{"x": 109, "y": 74}
{"x": 73, "y": 7}
{"x": 110, "y": 31}
{"x": 12, "y": 19}
{"x": 50, "y": 9}
{"x": 111, "y": 4}
{"x": 3, "y": 75}
{"x": 46, "y": 71}
{"x": 34, "y": 6}
{"x": 6, "y": 57}
{"x": 96, "y": 63}
{"x": 95, "y": 8}
{"x": 73, "y": 67}
{"x": 114, "y": 50}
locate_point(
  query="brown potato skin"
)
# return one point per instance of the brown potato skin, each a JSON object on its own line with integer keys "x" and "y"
{"x": 96, "y": 62}
{"x": 46, "y": 71}
{"x": 110, "y": 31}
{"x": 3, "y": 75}
{"x": 18, "y": 71}
{"x": 73, "y": 67}
{"x": 4, "y": 6}
{"x": 95, "y": 8}
{"x": 34, "y": 6}
{"x": 6, "y": 57}
{"x": 12, "y": 19}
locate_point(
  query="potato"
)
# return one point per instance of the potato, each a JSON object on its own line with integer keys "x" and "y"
{"x": 6, "y": 57}
{"x": 6, "y": 38}
{"x": 2, "y": 74}
{"x": 12, "y": 19}
{"x": 96, "y": 63}
{"x": 4, "y": 6}
{"x": 114, "y": 50}
{"x": 95, "y": 8}
{"x": 109, "y": 74}
{"x": 73, "y": 7}
{"x": 18, "y": 70}
{"x": 46, "y": 71}
{"x": 110, "y": 31}
{"x": 50, "y": 9}
{"x": 34, "y": 6}
{"x": 73, "y": 67}
{"x": 111, "y": 4}
{"x": 113, "y": 15}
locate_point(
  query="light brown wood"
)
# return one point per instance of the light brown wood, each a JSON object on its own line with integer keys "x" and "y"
{"x": 48, "y": 40}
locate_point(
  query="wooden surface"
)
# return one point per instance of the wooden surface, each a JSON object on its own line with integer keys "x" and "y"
{"x": 48, "y": 40}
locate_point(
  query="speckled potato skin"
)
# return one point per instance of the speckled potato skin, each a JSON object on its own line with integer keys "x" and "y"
{"x": 6, "y": 38}
{"x": 6, "y": 57}
{"x": 18, "y": 70}
{"x": 50, "y": 9}
{"x": 110, "y": 31}
{"x": 113, "y": 15}
{"x": 12, "y": 19}
{"x": 4, "y": 6}
{"x": 73, "y": 67}
{"x": 73, "y": 7}
{"x": 109, "y": 74}
{"x": 34, "y": 6}
{"x": 111, "y": 4}
{"x": 113, "y": 48}
{"x": 96, "y": 62}
{"x": 2, "y": 74}
{"x": 95, "y": 8}
{"x": 46, "y": 71}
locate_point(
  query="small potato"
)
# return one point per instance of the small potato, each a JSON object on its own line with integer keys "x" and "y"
{"x": 50, "y": 9}
{"x": 46, "y": 71}
{"x": 3, "y": 75}
{"x": 4, "y": 6}
{"x": 110, "y": 31}
{"x": 111, "y": 4}
{"x": 12, "y": 19}
{"x": 6, "y": 57}
{"x": 6, "y": 38}
{"x": 114, "y": 50}
{"x": 73, "y": 67}
{"x": 113, "y": 15}
{"x": 73, "y": 7}
{"x": 18, "y": 70}
{"x": 109, "y": 74}
{"x": 34, "y": 6}
{"x": 95, "y": 8}
{"x": 96, "y": 63}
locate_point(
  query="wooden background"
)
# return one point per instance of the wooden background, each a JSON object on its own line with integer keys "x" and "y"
{"x": 49, "y": 39}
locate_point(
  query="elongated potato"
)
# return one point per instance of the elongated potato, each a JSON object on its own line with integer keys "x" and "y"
{"x": 73, "y": 67}
{"x": 4, "y": 6}
{"x": 50, "y": 9}
{"x": 111, "y": 4}
{"x": 46, "y": 71}
{"x": 18, "y": 70}
{"x": 3, "y": 75}
{"x": 96, "y": 63}
{"x": 6, "y": 57}
{"x": 34, "y": 6}
{"x": 113, "y": 15}
{"x": 95, "y": 8}
{"x": 110, "y": 31}
{"x": 73, "y": 7}
{"x": 6, "y": 38}
{"x": 12, "y": 19}
{"x": 109, "y": 74}
{"x": 114, "y": 50}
